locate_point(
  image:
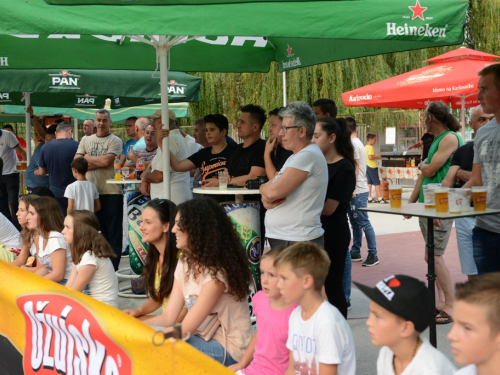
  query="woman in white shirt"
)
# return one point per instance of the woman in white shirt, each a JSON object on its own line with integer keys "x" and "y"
{"x": 91, "y": 255}
{"x": 54, "y": 260}
{"x": 29, "y": 237}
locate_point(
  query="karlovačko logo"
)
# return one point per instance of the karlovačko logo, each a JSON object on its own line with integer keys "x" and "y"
{"x": 64, "y": 337}
{"x": 293, "y": 62}
{"x": 359, "y": 98}
{"x": 424, "y": 30}
{"x": 64, "y": 80}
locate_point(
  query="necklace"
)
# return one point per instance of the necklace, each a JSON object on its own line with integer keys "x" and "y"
{"x": 417, "y": 343}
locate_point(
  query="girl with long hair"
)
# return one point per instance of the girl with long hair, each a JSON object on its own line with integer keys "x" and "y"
{"x": 29, "y": 237}
{"x": 212, "y": 280}
{"x": 158, "y": 272}
{"x": 45, "y": 216}
{"x": 334, "y": 140}
{"x": 91, "y": 256}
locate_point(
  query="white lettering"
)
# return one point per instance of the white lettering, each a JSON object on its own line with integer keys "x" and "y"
{"x": 4, "y": 61}
{"x": 220, "y": 40}
{"x": 400, "y": 30}
{"x": 36, "y": 337}
{"x": 240, "y": 40}
{"x": 4, "y": 96}
{"x": 421, "y": 31}
{"x": 413, "y": 30}
{"x": 385, "y": 290}
{"x": 426, "y": 30}
{"x": 358, "y": 98}
{"x": 391, "y": 28}
{"x": 292, "y": 63}
{"x": 86, "y": 101}
{"x": 68, "y": 81}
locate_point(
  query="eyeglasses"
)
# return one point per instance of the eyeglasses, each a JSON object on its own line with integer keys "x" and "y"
{"x": 284, "y": 129}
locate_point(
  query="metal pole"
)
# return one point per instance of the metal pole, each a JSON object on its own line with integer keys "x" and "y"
{"x": 463, "y": 117}
{"x": 162, "y": 52}
{"x": 431, "y": 276}
{"x": 27, "y": 101}
{"x": 75, "y": 129}
{"x": 284, "y": 89}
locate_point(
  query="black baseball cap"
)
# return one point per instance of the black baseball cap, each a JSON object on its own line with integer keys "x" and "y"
{"x": 404, "y": 296}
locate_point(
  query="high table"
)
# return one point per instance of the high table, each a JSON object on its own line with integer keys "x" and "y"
{"x": 418, "y": 210}
{"x": 246, "y": 217}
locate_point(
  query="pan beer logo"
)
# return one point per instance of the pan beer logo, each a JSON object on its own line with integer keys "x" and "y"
{"x": 63, "y": 337}
{"x": 64, "y": 80}
{"x": 176, "y": 89}
{"x": 85, "y": 100}
{"x": 5, "y": 97}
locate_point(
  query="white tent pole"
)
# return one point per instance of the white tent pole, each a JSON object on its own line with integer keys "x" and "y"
{"x": 463, "y": 117}
{"x": 284, "y": 89}
{"x": 27, "y": 101}
{"x": 162, "y": 53}
{"x": 75, "y": 129}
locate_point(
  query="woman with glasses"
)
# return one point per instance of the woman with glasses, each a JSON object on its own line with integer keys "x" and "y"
{"x": 158, "y": 272}
{"x": 294, "y": 198}
{"x": 334, "y": 140}
{"x": 212, "y": 280}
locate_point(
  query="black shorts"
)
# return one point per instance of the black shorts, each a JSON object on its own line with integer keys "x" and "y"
{"x": 372, "y": 176}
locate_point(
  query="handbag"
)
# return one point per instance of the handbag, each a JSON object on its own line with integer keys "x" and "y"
{"x": 208, "y": 328}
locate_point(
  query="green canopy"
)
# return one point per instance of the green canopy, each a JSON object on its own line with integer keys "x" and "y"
{"x": 90, "y": 88}
{"x": 234, "y": 37}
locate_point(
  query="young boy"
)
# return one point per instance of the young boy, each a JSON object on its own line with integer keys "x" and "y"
{"x": 401, "y": 308}
{"x": 475, "y": 335}
{"x": 81, "y": 194}
{"x": 319, "y": 338}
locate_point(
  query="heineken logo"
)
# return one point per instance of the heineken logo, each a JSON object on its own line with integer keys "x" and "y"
{"x": 4, "y": 97}
{"x": 64, "y": 80}
{"x": 426, "y": 30}
{"x": 358, "y": 98}
{"x": 4, "y": 61}
{"x": 292, "y": 63}
{"x": 289, "y": 50}
{"x": 418, "y": 11}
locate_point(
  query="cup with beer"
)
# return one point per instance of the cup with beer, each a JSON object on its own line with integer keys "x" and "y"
{"x": 441, "y": 197}
{"x": 479, "y": 194}
{"x": 455, "y": 200}
{"x": 465, "y": 200}
{"x": 395, "y": 194}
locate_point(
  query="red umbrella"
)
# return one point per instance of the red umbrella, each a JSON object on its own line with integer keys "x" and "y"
{"x": 451, "y": 78}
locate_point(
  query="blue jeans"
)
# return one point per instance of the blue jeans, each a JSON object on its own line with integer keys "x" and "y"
{"x": 486, "y": 250}
{"x": 360, "y": 222}
{"x": 464, "y": 227}
{"x": 213, "y": 349}
{"x": 347, "y": 277}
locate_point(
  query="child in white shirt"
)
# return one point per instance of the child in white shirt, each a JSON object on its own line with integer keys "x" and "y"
{"x": 81, "y": 194}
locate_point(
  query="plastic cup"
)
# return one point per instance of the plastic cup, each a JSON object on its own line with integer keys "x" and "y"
{"x": 223, "y": 180}
{"x": 395, "y": 193}
{"x": 125, "y": 172}
{"x": 441, "y": 197}
{"x": 455, "y": 201}
{"x": 466, "y": 194}
{"x": 429, "y": 198}
{"x": 479, "y": 195}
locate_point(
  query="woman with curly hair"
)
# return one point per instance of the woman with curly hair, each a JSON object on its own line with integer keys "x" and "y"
{"x": 213, "y": 277}
{"x": 158, "y": 272}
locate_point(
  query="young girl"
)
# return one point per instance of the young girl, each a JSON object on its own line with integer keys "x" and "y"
{"x": 334, "y": 140}
{"x": 54, "y": 258}
{"x": 267, "y": 352}
{"x": 214, "y": 276}
{"x": 158, "y": 272}
{"x": 90, "y": 253}
{"x": 29, "y": 238}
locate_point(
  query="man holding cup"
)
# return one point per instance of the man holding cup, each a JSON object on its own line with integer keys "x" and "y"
{"x": 486, "y": 172}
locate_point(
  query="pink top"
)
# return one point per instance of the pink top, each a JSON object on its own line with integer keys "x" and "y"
{"x": 271, "y": 354}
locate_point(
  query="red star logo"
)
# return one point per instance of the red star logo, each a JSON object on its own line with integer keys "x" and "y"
{"x": 86, "y": 95}
{"x": 289, "y": 50}
{"x": 172, "y": 82}
{"x": 64, "y": 73}
{"x": 418, "y": 11}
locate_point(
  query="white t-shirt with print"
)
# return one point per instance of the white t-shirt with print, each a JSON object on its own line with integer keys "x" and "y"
{"x": 84, "y": 193}
{"x": 55, "y": 241}
{"x": 298, "y": 217}
{"x": 467, "y": 370}
{"x": 9, "y": 235}
{"x": 427, "y": 361}
{"x": 8, "y": 142}
{"x": 360, "y": 153}
{"x": 103, "y": 286}
{"x": 324, "y": 338}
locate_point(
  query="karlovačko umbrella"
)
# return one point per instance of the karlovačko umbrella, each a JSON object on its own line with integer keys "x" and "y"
{"x": 294, "y": 33}
{"x": 452, "y": 77}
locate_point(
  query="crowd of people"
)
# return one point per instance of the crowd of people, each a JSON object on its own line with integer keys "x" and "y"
{"x": 69, "y": 230}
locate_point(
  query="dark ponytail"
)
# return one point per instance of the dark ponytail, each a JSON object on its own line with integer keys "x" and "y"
{"x": 439, "y": 111}
{"x": 343, "y": 143}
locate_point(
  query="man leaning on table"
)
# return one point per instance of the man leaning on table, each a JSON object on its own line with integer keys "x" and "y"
{"x": 486, "y": 172}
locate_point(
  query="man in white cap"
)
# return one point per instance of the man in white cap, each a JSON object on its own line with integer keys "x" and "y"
{"x": 153, "y": 176}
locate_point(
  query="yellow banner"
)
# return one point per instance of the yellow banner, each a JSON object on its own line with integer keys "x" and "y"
{"x": 57, "y": 330}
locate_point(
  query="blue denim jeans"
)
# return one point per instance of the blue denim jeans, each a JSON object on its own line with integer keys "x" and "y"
{"x": 347, "y": 277}
{"x": 486, "y": 247}
{"x": 213, "y": 349}
{"x": 360, "y": 222}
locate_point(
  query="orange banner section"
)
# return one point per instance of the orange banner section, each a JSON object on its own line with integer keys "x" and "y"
{"x": 57, "y": 330}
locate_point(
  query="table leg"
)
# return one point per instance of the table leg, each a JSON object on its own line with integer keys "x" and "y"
{"x": 431, "y": 276}
{"x": 238, "y": 198}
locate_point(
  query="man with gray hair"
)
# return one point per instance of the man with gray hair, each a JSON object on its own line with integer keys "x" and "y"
{"x": 55, "y": 160}
{"x": 295, "y": 197}
{"x": 88, "y": 127}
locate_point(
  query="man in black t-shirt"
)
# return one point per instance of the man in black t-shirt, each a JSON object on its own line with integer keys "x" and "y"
{"x": 247, "y": 160}
{"x": 459, "y": 173}
{"x": 426, "y": 142}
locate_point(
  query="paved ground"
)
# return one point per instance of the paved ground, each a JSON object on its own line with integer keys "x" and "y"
{"x": 401, "y": 250}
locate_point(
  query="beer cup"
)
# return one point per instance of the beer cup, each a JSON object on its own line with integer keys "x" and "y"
{"x": 465, "y": 200}
{"x": 441, "y": 197}
{"x": 395, "y": 193}
{"x": 479, "y": 194}
{"x": 429, "y": 199}
{"x": 455, "y": 201}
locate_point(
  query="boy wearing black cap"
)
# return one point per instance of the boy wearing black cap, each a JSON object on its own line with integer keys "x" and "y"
{"x": 401, "y": 308}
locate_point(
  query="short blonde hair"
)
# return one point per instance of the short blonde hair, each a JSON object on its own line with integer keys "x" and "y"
{"x": 306, "y": 258}
{"x": 484, "y": 291}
